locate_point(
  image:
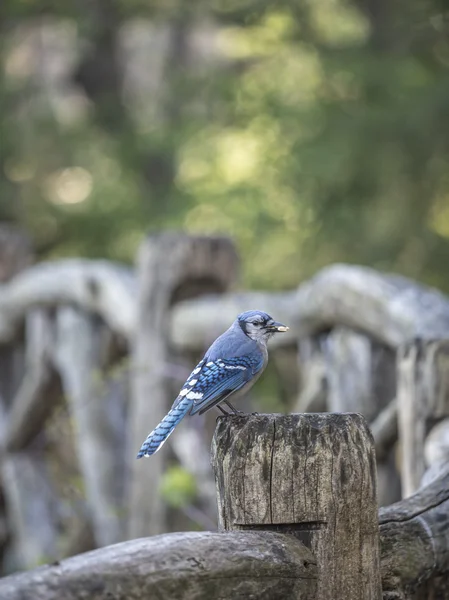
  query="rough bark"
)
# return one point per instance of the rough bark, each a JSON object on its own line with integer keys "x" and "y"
{"x": 180, "y": 566}
{"x": 171, "y": 267}
{"x": 414, "y": 537}
{"x": 310, "y": 475}
{"x": 414, "y": 540}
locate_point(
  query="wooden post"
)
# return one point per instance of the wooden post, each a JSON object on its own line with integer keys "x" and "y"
{"x": 423, "y": 400}
{"x": 310, "y": 475}
{"x": 171, "y": 267}
{"x": 30, "y": 506}
{"x": 361, "y": 377}
{"x": 80, "y": 348}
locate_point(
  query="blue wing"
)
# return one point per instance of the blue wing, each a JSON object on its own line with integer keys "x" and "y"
{"x": 213, "y": 381}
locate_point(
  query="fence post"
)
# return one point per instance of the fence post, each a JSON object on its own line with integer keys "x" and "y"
{"x": 423, "y": 401}
{"x": 171, "y": 267}
{"x": 310, "y": 475}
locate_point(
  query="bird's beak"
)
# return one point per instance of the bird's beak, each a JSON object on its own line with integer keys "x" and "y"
{"x": 279, "y": 327}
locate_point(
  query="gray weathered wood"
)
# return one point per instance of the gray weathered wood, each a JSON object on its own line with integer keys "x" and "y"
{"x": 16, "y": 251}
{"x": 385, "y": 429}
{"x": 436, "y": 452}
{"x": 311, "y": 475}
{"x": 389, "y": 308}
{"x": 360, "y": 372}
{"x": 171, "y": 267}
{"x": 423, "y": 400}
{"x": 312, "y": 396}
{"x": 361, "y": 377}
{"x": 78, "y": 355}
{"x": 179, "y": 566}
{"x": 414, "y": 537}
{"x": 31, "y": 510}
{"x": 39, "y": 390}
{"x": 97, "y": 286}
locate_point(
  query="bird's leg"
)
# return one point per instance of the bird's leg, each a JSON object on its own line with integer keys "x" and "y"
{"x": 234, "y": 410}
{"x": 225, "y": 412}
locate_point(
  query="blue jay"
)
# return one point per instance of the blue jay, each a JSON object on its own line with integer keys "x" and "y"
{"x": 230, "y": 367}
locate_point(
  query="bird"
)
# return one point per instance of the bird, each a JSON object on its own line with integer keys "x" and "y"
{"x": 231, "y": 365}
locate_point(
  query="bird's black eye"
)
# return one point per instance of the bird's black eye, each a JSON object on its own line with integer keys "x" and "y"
{"x": 257, "y": 323}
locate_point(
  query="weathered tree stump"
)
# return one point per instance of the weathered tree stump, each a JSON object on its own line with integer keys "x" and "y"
{"x": 312, "y": 476}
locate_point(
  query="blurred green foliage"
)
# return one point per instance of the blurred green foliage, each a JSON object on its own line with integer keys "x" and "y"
{"x": 178, "y": 487}
{"x": 312, "y": 132}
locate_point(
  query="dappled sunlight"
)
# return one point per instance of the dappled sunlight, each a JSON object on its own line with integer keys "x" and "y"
{"x": 439, "y": 217}
{"x": 69, "y": 186}
{"x": 338, "y": 23}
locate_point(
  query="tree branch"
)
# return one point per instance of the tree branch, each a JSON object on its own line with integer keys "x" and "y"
{"x": 180, "y": 566}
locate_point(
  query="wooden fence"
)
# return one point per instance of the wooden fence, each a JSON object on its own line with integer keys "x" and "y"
{"x": 117, "y": 342}
{"x": 298, "y": 514}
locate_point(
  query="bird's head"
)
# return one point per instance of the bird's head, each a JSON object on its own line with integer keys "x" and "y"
{"x": 259, "y": 326}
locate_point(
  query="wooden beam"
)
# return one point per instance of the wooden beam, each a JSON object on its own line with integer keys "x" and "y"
{"x": 389, "y": 308}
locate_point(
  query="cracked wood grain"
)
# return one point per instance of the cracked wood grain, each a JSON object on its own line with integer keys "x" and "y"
{"x": 178, "y": 566}
{"x": 312, "y": 476}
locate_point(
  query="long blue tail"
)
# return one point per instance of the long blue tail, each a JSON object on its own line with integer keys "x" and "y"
{"x": 159, "y": 435}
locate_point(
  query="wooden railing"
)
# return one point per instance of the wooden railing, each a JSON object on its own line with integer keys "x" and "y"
{"x": 117, "y": 343}
{"x": 298, "y": 518}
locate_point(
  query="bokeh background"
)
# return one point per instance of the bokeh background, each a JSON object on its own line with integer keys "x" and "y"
{"x": 312, "y": 131}
{"x": 308, "y": 131}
